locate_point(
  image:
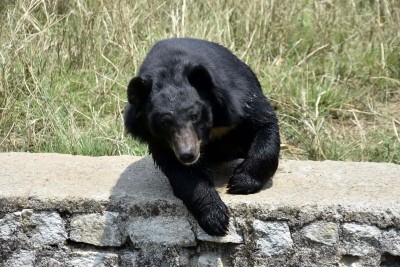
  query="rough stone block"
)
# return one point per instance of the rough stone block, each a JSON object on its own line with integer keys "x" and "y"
{"x": 20, "y": 258}
{"x": 184, "y": 257}
{"x": 152, "y": 254}
{"x": 50, "y": 262}
{"x": 209, "y": 259}
{"x": 272, "y": 238}
{"x": 162, "y": 230}
{"x": 322, "y": 232}
{"x": 391, "y": 242}
{"x": 49, "y": 228}
{"x": 359, "y": 239}
{"x": 231, "y": 237}
{"x": 97, "y": 229}
{"x": 98, "y": 259}
{"x": 9, "y": 226}
{"x": 128, "y": 259}
{"x": 350, "y": 261}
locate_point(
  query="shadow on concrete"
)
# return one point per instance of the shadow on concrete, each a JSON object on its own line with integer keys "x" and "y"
{"x": 141, "y": 184}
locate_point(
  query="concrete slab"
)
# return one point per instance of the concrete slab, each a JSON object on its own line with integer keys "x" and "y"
{"x": 81, "y": 183}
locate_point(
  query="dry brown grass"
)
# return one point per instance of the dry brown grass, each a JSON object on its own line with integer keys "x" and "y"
{"x": 331, "y": 68}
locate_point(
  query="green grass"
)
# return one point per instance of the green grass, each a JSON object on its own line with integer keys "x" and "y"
{"x": 330, "y": 68}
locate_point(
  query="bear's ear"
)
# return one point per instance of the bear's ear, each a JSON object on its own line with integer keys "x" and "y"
{"x": 200, "y": 78}
{"x": 138, "y": 90}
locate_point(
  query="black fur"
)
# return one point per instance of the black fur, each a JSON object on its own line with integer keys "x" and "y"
{"x": 194, "y": 102}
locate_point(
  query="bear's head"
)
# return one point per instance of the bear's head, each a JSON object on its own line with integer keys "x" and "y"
{"x": 176, "y": 110}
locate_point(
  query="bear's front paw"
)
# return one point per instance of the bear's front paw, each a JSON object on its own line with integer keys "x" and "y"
{"x": 243, "y": 183}
{"x": 215, "y": 219}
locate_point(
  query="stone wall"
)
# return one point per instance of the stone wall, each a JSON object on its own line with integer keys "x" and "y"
{"x": 62, "y": 210}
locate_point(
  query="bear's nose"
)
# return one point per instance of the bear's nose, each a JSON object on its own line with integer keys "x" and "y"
{"x": 187, "y": 157}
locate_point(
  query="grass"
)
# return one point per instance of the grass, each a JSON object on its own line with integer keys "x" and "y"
{"x": 330, "y": 68}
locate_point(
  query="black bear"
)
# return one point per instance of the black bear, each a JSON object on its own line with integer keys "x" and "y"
{"x": 194, "y": 102}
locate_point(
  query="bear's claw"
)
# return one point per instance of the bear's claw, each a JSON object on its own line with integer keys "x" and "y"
{"x": 241, "y": 183}
{"x": 215, "y": 219}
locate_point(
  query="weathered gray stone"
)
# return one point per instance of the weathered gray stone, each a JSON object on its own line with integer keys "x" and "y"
{"x": 153, "y": 254}
{"x": 210, "y": 259}
{"x": 50, "y": 262}
{"x": 162, "y": 230}
{"x": 98, "y": 259}
{"x": 9, "y": 226}
{"x": 53, "y": 257}
{"x": 360, "y": 240}
{"x": 97, "y": 229}
{"x": 23, "y": 258}
{"x": 391, "y": 242}
{"x": 350, "y": 261}
{"x": 49, "y": 228}
{"x": 322, "y": 232}
{"x": 128, "y": 259}
{"x": 272, "y": 238}
{"x": 231, "y": 237}
{"x": 184, "y": 258}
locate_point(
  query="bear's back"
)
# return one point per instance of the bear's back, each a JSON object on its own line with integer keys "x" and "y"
{"x": 177, "y": 53}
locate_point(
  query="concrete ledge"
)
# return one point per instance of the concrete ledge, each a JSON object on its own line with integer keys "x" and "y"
{"x": 63, "y": 210}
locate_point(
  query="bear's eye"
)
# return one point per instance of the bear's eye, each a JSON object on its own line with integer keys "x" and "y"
{"x": 165, "y": 121}
{"x": 193, "y": 116}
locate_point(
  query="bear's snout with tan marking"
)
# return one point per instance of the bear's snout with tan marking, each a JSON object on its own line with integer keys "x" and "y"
{"x": 186, "y": 146}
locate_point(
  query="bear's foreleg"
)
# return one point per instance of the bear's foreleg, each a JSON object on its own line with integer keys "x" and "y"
{"x": 194, "y": 186}
{"x": 260, "y": 163}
